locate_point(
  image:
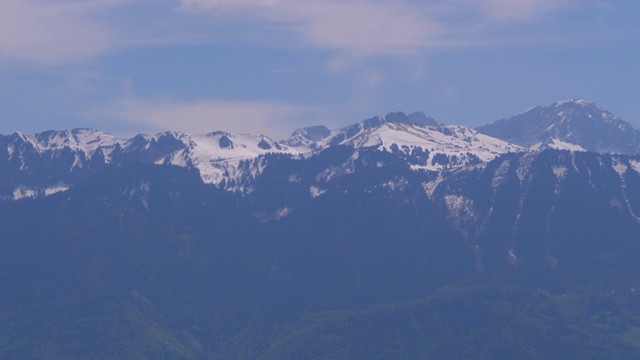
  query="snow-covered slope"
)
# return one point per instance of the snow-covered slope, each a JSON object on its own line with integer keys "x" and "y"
{"x": 83, "y": 142}
{"x": 557, "y": 144}
{"x": 218, "y": 156}
{"x": 38, "y": 164}
{"x": 438, "y": 146}
{"x": 572, "y": 125}
{"x": 52, "y": 161}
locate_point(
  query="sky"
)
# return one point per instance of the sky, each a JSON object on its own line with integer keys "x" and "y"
{"x": 271, "y": 66}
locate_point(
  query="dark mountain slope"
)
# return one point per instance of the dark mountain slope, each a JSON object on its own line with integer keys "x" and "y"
{"x": 160, "y": 264}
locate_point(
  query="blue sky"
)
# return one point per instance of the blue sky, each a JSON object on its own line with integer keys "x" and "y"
{"x": 270, "y": 66}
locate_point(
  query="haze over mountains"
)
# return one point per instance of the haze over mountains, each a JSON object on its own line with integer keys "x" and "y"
{"x": 327, "y": 244}
{"x": 47, "y": 162}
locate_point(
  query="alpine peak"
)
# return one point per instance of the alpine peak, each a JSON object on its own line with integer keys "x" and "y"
{"x": 575, "y": 124}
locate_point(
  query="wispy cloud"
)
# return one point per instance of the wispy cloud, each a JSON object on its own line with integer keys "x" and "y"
{"x": 67, "y": 31}
{"x": 383, "y": 27}
{"x": 270, "y": 118}
{"x": 53, "y": 33}
{"x": 520, "y": 10}
{"x": 359, "y": 26}
{"x": 62, "y": 32}
{"x": 352, "y": 34}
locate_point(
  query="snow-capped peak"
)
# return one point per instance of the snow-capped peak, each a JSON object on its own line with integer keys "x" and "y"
{"x": 574, "y": 102}
{"x": 84, "y": 140}
{"x": 229, "y": 160}
{"x": 580, "y": 123}
{"x": 458, "y": 144}
{"x": 218, "y": 155}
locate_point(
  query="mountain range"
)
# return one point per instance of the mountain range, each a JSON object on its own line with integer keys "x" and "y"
{"x": 393, "y": 238}
{"x": 47, "y": 162}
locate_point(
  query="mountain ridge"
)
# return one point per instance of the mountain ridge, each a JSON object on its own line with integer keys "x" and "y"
{"x": 573, "y": 125}
{"x": 231, "y": 160}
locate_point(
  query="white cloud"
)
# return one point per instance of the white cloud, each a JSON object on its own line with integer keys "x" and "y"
{"x": 54, "y": 33}
{"x": 270, "y": 118}
{"x": 359, "y": 26}
{"x": 383, "y": 27}
{"x": 67, "y": 31}
{"x": 518, "y": 10}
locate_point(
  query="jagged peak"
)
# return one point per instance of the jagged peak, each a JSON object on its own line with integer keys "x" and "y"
{"x": 83, "y": 139}
{"x": 564, "y": 110}
{"x": 22, "y": 135}
{"x": 175, "y": 134}
{"x": 218, "y": 133}
{"x": 416, "y": 118}
{"x": 64, "y": 132}
{"x": 314, "y": 129}
{"x": 587, "y": 110}
{"x": 578, "y": 122}
{"x": 71, "y": 131}
{"x": 307, "y": 135}
{"x": 419, "y": 117}
{"x": 574, "y": 102}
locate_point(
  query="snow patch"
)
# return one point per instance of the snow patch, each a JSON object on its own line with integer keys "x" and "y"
{"x": 619, "y": 168}
{"x": 431, "y": 186}
{"x": 26, "y": 192}
{"x": 396, "y": 184}
{"x": 459, "y": 206}
{"x": 500, "y": 174}
{"x": 315, "y": 191}
{"x": 55, "y": 189}
{"x": 523, "y": 167}
{"x": 512, "y": 258}
{"x": 560, "y": 172}
{"x": 281, "y": 213}
{"x": 536, "y": 146}
{"x": 77, "y": 162}
{"x": 561, "y": 145}
{"x": 22, "y": 192}
{"x": 635, "y": 165}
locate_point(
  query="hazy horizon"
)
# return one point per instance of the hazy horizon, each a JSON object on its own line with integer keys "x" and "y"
{"x": 126, "y": 67}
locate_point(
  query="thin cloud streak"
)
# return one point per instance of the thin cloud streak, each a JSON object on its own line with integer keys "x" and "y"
{"x": 520, "y": 10}
{"x": 270, "y": 118}
{"x": 360, "y": 26}
{"x": 367, "y": 27}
